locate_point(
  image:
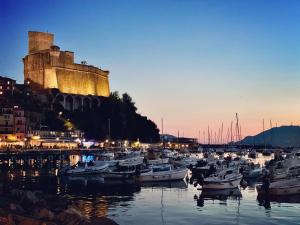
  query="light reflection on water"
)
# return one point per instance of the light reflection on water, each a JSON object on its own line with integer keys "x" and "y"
{"x": 162, "y": 203}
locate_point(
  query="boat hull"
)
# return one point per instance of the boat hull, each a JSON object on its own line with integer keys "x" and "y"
{"x": 222, "y": 184}
{"x": 283, "y": 187}
{"x": 118, "y": 175}
{"x": 164, "y": 175}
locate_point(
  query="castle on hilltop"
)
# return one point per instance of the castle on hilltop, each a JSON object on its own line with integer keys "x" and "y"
{"x": 47, "y": 67}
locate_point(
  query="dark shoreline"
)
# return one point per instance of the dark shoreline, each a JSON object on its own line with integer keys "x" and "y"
{"x": 26, "y": 207}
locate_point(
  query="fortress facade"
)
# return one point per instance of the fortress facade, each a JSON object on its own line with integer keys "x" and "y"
{"x": 47, "y": 67}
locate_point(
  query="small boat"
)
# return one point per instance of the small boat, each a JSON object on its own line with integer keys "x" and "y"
{"x": 286, "y": 168}
{"x": 157, "y": 161}
{"x": 119, "y": 175}
{"x": 164, "y": 172}
{"x": 203, "y": 168}
{"x": 185, "y": 161}
{"x": 282, "y": 187}
{"x": 131, "y": 161}
{"x": 128, "y": 161}
{"x": 90, "y": 168}
{"x": 226, "y": 179}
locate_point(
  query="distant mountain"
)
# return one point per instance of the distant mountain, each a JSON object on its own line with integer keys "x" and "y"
{"x": 284, "y": 136}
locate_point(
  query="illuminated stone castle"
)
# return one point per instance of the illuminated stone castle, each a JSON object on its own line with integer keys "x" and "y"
{"x": 46, "y": 67}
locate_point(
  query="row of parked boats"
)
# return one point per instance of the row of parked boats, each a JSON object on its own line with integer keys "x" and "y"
{"x": 129, "y": 165}
{"x": 280, "y": 176}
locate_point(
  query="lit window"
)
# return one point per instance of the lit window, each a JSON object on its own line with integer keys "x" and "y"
{"x": 1, "y": 92}
{"x": 8, "y": 82}
{"x": 0, "y": 87}
{"x": 8, "y": 88}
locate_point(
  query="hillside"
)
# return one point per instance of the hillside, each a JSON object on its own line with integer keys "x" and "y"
{"x": 284, "y": 136}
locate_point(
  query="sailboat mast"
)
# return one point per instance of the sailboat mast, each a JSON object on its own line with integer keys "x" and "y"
{"x": 237, "y": 127}
{"x": 231, "y": 138}
{"x": 208, "y": 132}
{"x": 264, "y": 133}
{"x": 222, "y": 133}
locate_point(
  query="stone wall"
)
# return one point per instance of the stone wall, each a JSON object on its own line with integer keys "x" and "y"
{"x": 53, "y": 68}
{"x": 39, "y": 41}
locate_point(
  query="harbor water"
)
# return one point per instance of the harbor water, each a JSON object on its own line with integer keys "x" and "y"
{"x": 157, "y": 203}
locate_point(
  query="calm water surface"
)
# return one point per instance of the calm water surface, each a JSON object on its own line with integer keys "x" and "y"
{"x": 163, "y": 203}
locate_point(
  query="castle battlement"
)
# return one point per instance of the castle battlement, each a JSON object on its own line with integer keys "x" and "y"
{"x": 49, "y": 67}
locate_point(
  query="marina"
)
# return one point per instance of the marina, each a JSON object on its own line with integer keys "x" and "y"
{"x": 165, "y": 201}
{"x": 149, "y": 112}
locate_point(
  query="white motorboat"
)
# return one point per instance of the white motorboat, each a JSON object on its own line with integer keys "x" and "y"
{"x": 127, "y": 162}
{"x": 226, "y": 179}
{"x": 89, "y": 168}
{"x": 281, "y": 187}
{"x": 286, "y": 168}
{"x": 131, "y": 161}
{"x": 163, "y": 173}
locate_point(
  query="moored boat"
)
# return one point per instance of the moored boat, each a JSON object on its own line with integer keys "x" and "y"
{"x": 163, "y": 173}
{"x": 90, "y": 168}
{"x": 281, "y": 187}
{"x": 226, "y": 179}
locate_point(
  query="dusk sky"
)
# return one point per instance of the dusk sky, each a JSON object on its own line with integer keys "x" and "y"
{"x": 194, "y": 63}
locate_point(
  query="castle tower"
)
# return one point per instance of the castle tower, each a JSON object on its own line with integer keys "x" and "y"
{"x": 38, "y": 41}
{"x": 47, "y": 67}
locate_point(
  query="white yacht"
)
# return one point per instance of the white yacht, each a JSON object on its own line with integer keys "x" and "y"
{"x": 87, "y": 168}
{"x": 228, "y": 178}
{"x": 164, "y": 172}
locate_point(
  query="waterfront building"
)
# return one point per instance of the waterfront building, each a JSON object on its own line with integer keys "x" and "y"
{"x": 54, "y": 139}
{"x": 47, "y": 67}
{"x": 7, "y": 86}
{"x": 171, "y": 141}
{"x": 12, "y": 125}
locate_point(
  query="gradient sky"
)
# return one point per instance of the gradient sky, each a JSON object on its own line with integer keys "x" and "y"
{"x": 194, "y": 63}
